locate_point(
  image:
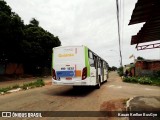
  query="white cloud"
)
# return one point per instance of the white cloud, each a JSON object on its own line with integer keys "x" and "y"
{"x": 88, "y": 22}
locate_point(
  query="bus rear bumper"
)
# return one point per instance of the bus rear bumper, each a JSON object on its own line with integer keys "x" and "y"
{"x": 74, "y": 83}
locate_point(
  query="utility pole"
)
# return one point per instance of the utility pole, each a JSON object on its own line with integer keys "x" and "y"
{"x": 119, "y": 37}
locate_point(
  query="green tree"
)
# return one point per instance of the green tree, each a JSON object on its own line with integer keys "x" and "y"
{"x": 113, "y": 68}
{"x": 34, "y": 22}
{"x": 120, "y": 71}
{"x": 28, "y": 44}
{"x": 37, "y": 47}
{"x": 140, "y": 58}
{"x": 11, "y": 34}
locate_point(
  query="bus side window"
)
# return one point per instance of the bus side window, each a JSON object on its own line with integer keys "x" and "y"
{"x": 90, "y": 54}
{"x": 99, "y": 63}
{"x": 91, "y": 61}
{"x": 105, "y": 67}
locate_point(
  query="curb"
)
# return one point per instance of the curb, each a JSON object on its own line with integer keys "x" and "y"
{"x": 128, "y": 108}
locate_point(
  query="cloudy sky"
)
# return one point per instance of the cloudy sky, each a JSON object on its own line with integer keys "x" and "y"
{"x": 87, "y": 22}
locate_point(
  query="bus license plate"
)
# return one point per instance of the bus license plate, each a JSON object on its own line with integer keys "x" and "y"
{"x": 68, "y": 78}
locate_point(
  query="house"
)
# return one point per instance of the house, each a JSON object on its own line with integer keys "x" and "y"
{"x": 146, "y": 67}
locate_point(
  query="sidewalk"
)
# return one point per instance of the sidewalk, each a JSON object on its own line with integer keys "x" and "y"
{"x": 23, "y": 80}
{"x": 144, "y": 108}
{"x": 144, "y": 103}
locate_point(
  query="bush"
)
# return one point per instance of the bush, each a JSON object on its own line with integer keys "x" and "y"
{"x": 120, "y": 71}
{"x": 130, "y": 79}
{"x": 39, "y": 83}
{"x": 157, "y": 74}
{"x": 155, "y": 80}
{"x": 144, "y": 80}
{"x": 134, "y": 79}
{"x": 126, "y": 79}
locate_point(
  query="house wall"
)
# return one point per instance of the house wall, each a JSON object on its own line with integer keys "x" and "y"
{"x": 154, "y": 66}
{"x": 145, "y": 68}
{"x": 11, "y": 68}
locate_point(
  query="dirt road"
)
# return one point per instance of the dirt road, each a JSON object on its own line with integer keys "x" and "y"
{"x": 65, "y": 98}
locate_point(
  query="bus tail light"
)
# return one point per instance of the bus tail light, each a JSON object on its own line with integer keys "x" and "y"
{"x": 84, "y": 73}
{"x": 54, "y": 74}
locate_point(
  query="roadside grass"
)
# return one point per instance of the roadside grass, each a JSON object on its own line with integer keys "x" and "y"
{"x": 38, "y": 83}
{"x": 4, "y": 90}
{"x": 15, "y": 86}
{"x": 25, "y": 86}
{"x": 143, "y": 80}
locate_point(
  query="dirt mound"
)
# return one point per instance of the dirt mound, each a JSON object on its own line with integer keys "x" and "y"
{"x": 113, "y": 105}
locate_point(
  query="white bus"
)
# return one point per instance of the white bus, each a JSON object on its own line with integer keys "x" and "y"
{"x": 78, "y": 66}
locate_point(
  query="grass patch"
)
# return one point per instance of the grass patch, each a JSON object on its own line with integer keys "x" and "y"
{"x": 143, "y": 80}
{"x": 155, "y": 80}
{"x": 15, "y": 86}
{"x": 25, "y": 86}
{"x": 38, "y": 83}
{"x": 4, "y": 90}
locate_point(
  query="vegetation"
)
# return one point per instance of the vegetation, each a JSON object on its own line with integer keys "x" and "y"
{"x": 38, "y": 83}
{"x": 143, "y": 80}
{"x": 120, "y": 71}
{"x": 15, "y": 86}
{"x": 113, "y": 68}
{"x": 29, "y": 44}
{"x": 4, "y": 90}
{"x": 157, "y": 74}
{"x": 140, "y": 58}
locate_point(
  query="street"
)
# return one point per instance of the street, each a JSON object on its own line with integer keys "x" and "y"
{"x": 65, "y": 98}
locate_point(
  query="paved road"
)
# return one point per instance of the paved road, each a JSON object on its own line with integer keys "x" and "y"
{"x": 65, "y": 98}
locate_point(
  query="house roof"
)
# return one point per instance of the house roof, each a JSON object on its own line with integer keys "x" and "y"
{"x": 149, "y": 60}
{"x": 146, "y": 11}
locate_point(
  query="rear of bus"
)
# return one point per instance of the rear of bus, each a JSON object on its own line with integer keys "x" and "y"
{"x": 68, "y": 66}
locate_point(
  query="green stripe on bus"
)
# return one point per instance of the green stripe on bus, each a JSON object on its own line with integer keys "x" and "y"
{"x": 87, "y": 61}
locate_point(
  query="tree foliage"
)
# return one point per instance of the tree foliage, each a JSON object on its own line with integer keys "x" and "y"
{"x": 28, "y": 44}
{"x": 140, "y": 58}
{"x": 120, "y": 71}
{"x": 113, "y": 68}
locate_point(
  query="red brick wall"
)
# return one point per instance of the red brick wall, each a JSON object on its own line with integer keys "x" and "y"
{"x": 148, "y": 65}
{"x": 154, "y": 66}
{"x": 13, "y": 68}
{"x": 139, "y": 64}
{"x": 133, "y": 71}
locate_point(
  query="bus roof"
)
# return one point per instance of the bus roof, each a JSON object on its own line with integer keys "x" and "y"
{"x": 69, "y": 46}
{"x": 80, "y": 46}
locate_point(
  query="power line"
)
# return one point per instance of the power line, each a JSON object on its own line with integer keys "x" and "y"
{"x": 119, "y": 37}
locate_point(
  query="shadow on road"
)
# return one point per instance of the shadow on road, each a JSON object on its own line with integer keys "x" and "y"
{"x": 73, "y": 92}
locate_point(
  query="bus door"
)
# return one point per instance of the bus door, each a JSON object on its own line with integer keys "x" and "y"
{"x": 102, "y": 71}
{"x": 96, "y": 67}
